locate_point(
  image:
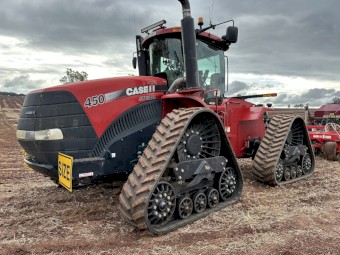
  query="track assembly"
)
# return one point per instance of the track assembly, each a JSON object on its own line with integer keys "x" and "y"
{"x": 285, "y": 154}
{"x": 187, "y": 171}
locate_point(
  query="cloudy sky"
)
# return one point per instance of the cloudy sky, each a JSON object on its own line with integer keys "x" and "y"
{"x": 291, "y": 47}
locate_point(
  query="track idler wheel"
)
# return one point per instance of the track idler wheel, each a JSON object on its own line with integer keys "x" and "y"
{"x": 227, "y": 183}
{"x": 306, "y": 164}
{"x": 279, "y": 170}
{"x": 161, "y": 205}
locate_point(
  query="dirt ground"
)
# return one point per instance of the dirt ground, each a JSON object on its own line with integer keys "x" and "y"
{"x": 38, "y": 217}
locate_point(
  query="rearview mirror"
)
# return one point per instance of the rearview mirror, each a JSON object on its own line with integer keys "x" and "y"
{"x": 231, "y": 35}
{"x": 134, "y": 62}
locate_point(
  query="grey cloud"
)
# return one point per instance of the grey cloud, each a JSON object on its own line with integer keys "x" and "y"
{"x": 242, "y": 88}
{"x": 237, "y": 87}
{"x": 317, "y": 93}
{"x": 90, "y": 26}
{"x": 21, "y": 84}
{"x": 295, "y": 38}
{"x": 314, "y": 97}
{"x": 280, "y": 98}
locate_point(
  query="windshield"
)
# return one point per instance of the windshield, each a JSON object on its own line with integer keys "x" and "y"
{"x": 210, "y": 67}
{"x": 166, "y": 56}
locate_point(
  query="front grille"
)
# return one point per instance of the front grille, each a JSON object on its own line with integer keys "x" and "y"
{"x": 56, "y": 109}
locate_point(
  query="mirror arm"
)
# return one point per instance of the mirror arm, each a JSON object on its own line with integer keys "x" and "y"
{"x": 198, "y": 31}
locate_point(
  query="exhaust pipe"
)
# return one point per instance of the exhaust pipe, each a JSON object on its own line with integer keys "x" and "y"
{"x": 189, "y": 46}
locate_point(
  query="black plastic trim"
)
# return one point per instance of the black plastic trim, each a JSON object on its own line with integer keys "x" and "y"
{"x": 56, "y": 109}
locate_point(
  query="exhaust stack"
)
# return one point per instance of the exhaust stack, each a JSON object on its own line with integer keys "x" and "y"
{"x": 189, "y": 46}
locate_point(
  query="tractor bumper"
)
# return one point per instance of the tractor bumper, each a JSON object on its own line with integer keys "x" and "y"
{"x": 84, "y": 171}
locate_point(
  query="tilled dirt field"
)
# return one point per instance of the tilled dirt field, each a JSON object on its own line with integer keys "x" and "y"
{"x": 38, "y": 217}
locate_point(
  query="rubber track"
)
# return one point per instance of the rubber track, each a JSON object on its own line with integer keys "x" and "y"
{"x": 151, "y": 165}
{"x": 268, "y": 154}
{"x": 150, "y": 168}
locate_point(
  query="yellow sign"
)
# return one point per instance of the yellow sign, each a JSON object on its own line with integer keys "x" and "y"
{"x": 65, "y": 164}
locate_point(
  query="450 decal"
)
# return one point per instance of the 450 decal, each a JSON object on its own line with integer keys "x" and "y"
{"x": 94, "y": 100}
{"x": 134, "y": 91}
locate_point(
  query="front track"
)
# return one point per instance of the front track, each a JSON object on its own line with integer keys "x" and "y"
{"x": 154, "y": 187}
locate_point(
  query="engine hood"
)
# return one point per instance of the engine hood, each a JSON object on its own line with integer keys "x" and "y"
{"x": 104, "y": 99}
{"x": 105, "y": 85}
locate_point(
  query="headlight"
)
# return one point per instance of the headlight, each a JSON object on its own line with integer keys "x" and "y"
{"x": 41, "y": 135}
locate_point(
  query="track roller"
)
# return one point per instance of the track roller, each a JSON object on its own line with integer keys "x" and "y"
{"x": 200, "y": 202}
{"x": 212, "y": 197}
{"x": 185, "y": 207}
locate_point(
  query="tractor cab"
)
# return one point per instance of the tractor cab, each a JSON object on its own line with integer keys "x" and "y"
{"x": 166, "y": 57}
{"x": 160, "y": 54}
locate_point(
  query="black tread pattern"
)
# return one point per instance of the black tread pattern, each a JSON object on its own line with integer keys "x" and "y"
{"x": 272, "y": 144}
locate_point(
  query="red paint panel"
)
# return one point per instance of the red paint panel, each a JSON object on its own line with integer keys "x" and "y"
{"x": 242, "y": 120}
{"x": 118, "y": 95}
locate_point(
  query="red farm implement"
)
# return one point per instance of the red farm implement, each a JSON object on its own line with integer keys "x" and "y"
{"x": 321, "y": 135}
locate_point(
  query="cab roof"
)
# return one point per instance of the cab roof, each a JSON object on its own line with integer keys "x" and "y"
{"x": 175, "y": 32}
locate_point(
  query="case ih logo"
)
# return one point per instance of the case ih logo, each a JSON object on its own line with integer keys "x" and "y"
{"x": 108, "y": 97}
{"x": 140, "y": 90}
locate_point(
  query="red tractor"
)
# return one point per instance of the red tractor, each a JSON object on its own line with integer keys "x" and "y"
{"x": 171, "y": 129}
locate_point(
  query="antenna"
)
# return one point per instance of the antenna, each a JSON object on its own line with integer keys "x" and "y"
{"x": 134, "y": 21}
{"x": 211, "y": 11}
